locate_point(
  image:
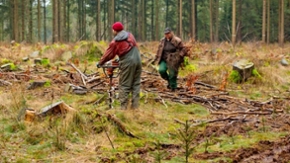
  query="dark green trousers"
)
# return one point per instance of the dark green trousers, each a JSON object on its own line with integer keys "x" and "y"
{"x": 168, "y": 74}
{"x": 130, "y": 78}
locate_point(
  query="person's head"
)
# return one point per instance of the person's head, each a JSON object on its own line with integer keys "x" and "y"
{"x": 117, "y": 27}
{"x": 168, "y": 33}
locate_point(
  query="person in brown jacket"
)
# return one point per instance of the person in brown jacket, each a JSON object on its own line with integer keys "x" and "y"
{"x": 170, "y": 54}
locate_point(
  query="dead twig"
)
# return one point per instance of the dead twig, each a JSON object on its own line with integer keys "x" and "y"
{"x": 204, "y": 84}
{"x": 79, "y": 71}
{"x": 150, "y": 73}
{"x": 241, "y": 112}
{"x": 106, "y": 133}
{"x": 5, "y": 82}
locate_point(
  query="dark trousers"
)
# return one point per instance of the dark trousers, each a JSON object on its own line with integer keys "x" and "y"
{"x": 130, "y": 78}
{"x": 168, "y": 74}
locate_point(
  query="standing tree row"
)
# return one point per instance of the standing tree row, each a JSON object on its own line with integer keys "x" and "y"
{"x": 204, "y": 20}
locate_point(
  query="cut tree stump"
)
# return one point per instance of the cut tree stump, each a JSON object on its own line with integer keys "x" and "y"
{"x": 244, "y": 68}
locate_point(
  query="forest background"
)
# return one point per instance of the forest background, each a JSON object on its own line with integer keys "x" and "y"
{"x": 235, "y": 21}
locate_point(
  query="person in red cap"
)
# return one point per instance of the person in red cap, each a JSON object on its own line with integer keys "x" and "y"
{"x": 125, "y": 47}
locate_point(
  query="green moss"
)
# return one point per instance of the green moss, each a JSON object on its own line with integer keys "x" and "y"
{"x": 235, "y": 76}
{"x": 47, "y": 84}
{"x": 13, "y": 67}
{"x": 255, "y": 73}
{"x": 5, "y": 60}
{"x": 45, "y": 62}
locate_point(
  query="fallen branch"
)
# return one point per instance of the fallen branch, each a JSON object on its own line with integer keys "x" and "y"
{"x": 204, "y": 84}
{"x": 150, "y": 73}
{"x": 162, "y": 100}
{"x": 83, "y": 80}
{"x": 93, "y": 79}
{"x": 5, "y": 82}
{"x": 230, "y": 118}
{"x": 75, "y": 86}
{"x": 120, "y": 126}
{"x": 97, "y": 84}
{"x": 178, "y": 121}
{"x": 79, "y": 71}
{"x": 240, "y": 112}
{"x": 99, "y": 100}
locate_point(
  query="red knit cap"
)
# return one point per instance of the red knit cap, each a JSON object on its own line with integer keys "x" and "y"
{"x": 118, "y": 26}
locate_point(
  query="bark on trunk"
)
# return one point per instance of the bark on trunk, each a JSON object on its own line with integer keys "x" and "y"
{"x": 38, "y": 21}
{"x": 234, "y": 22}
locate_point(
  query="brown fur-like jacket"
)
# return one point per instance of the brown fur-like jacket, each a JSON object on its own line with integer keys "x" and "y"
{"x": 176, "y": 41}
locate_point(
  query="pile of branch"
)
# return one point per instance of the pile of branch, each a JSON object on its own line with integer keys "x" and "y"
{"x": 217, "y": 101}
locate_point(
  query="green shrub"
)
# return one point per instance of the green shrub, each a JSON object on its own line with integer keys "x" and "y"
{"x": 93, "y": 53}
{"x": 188, "y": 66}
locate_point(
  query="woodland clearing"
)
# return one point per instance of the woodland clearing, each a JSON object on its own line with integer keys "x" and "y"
{"x": 219, "y": 120}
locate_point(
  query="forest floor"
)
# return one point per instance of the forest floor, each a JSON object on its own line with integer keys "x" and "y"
{"x": 210, "y": 118}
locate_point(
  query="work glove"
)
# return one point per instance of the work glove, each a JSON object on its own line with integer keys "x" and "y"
{"x": 98, "y": 65}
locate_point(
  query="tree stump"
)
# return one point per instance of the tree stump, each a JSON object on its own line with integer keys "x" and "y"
{"x": 244, "y": 68}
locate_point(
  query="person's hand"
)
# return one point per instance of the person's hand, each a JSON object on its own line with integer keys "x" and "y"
{"x": 98, "y": 65}
{"x": 117, "y": 59}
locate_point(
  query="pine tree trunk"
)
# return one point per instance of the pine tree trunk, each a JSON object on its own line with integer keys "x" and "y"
{"x": 30, "y": 22}
{"x": 98, "y": 20}
{"x": 11, "y": 19}
{"x": 111, "y": 10}
{"x": 54, "y": 22}
{"x": 105, "y": 7}
{"x": 268, "y": 21}
{"x": 264, "y": 21}
{"x": 133, "y": 17}
{"x": 281, "y": 22}
{"x": 143, "y": 20}
{"x": 216, "y": 38}
{"x": 180, "y": 19}
{"x": 152, "y": 20}
{"x": 167, "y": 11}
{"x": 44, "y": 21}
{"x": 193, "y": 21}
{"x": 15, "y": 21}
{"x": 140, "y": 21}
{"x": 211, "y": 21}
{"x": 234, "y": 22}
{"x": 38, "y": 21}
{"x": 64, "y": 21}
{"x": 23, "y": 9}
{"x": 59, "y": 21}
{"x": 79, "y": 24}
{"x": 68, "y": 21}
{"x": 156, "y": 19}
{"x": 239, "y": 19}
{"x": 84, "y": 20}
